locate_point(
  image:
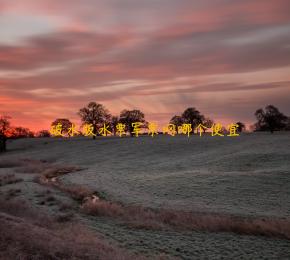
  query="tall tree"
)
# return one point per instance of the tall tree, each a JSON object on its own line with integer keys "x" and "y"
{"x": 5, "y": 127}
{"x": 96, "y": 115}
{"x": 193, "y": 117}
{"x": 128, "y": 117}
{"x": 270, "y": 119}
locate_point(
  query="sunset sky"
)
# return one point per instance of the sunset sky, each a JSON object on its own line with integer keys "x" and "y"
{"x": 226, "y": 58}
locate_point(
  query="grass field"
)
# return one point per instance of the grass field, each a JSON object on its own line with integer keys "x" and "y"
{"x": 214, "y": 180}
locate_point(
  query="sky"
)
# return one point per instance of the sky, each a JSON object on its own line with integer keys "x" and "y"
{"x": 225, "y": 58}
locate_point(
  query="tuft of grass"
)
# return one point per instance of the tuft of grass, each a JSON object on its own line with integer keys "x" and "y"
{"x": 9, "y": 179}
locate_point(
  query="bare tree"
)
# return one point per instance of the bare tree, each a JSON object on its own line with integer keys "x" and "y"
{"x": 270, "y": 119}
{"x": 96, "y": 115}
{"x": 128, "y": 117}
{"x": 192, "y": 116}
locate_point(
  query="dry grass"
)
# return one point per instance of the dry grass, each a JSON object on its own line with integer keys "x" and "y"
{"x": 77, "y": 192}
{"x": 140, "y": 217}
{"x": 26, "y": 234}
{"x": 48, "y": 172}
{"x": 19, "y": 208}
{"x": 56, "y": 171}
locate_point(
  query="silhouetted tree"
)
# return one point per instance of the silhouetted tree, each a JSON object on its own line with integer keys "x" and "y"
{"x": 96, "y": 115}
{"x": 270, "y": 119}
{"x": 4, "y": 130}
{"x": 65, "y": 123}
{"x": 128, "y": 117}
{"x": 193, "y": 117}
{"x": 241, "y": 127}
{"x": 176, "y": 120}
{"x": 43, "y": 133}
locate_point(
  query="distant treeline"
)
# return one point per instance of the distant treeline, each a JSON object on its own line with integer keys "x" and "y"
{"x": 268, "y": 119}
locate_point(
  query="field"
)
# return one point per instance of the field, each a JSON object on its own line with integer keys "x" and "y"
{"x": 189, "y": 198}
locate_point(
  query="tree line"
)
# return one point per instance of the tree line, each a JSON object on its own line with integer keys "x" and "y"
{"x": 268, "y": 119}
{"x": 97, "y": 116}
